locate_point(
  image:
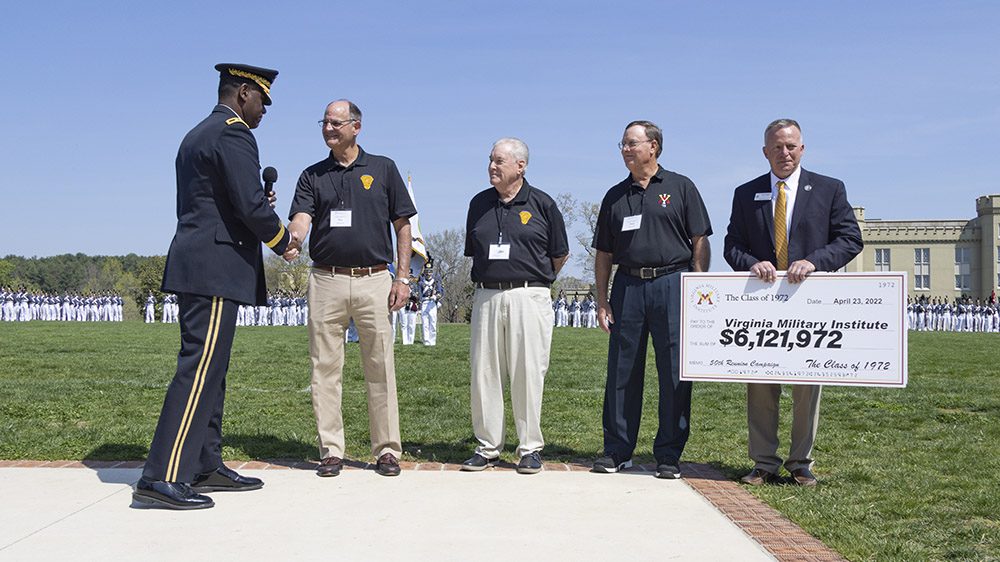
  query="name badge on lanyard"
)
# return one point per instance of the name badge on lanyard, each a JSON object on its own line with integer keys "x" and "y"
{"x": 499, "y": 251}
{"x": 632, "y": 223}
{"x": 340, "y": 218}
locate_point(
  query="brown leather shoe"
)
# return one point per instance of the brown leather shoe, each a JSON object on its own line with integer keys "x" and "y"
{"x": 330, "y": 466}
{"x": 759, "y": 477}
{"x": 387, "y": 465}
{"x": 803, "y": 477}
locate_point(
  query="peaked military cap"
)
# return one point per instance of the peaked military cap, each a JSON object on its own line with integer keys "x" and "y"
{"x": 263, "y": 77}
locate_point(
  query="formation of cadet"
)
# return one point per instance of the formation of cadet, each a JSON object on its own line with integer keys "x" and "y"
{"x": 22, "y": 306}
{"x": 168, "y": 309}
{"x": 575, "y": 313}
{"x": 281, "y": 309}
{"x": 964, "y": 315}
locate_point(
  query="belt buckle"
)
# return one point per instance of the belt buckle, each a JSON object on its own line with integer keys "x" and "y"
{"x": 356, "y": 271}
{"x": 647, "y": 272}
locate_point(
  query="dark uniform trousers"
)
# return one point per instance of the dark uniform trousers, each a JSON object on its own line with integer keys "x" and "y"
{"x": 644, "y": 308}
{"x": 188, "y": 438}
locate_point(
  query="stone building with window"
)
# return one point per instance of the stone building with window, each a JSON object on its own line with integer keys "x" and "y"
{"x": 942, "y": 258}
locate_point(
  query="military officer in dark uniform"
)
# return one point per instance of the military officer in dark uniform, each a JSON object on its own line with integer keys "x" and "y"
{"x": 214, "y": 265}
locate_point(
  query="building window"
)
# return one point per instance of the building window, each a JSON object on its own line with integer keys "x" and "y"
{"x": 963, "y": 274}
{"x": 922, "y": 268}
{"x": 882, "y": 259}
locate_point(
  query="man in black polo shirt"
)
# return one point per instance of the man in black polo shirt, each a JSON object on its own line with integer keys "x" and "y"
{"x": 352, "y": 198}
{"x": 517, "y": 239}
{"x": 653, "y": 225}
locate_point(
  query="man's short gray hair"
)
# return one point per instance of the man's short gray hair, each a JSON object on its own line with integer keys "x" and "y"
{"x": 515, "y": 147}
{"x": 780, "y": 124}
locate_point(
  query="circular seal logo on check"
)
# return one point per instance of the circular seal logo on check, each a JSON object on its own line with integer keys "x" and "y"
{"x": 705, "y": 297}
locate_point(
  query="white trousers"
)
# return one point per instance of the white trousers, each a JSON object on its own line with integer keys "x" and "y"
{"x": 429, "y": 321}
{"x": 511, "y": 338}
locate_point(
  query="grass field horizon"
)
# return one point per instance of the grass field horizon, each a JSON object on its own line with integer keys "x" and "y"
{"x": 906, "y": 474}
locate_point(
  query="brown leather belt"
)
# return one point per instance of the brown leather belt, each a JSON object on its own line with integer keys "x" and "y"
{"x": 352, "y": 271}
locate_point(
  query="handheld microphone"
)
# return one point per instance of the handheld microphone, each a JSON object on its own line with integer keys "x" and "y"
{"x": 270, "y": 176}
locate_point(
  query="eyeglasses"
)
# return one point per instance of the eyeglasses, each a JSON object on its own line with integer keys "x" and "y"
{"x": 630, "y": 145}
{"x": 333, "y": 123}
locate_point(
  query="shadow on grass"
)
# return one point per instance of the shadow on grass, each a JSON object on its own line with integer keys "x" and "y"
{"x": 268, "y": 447}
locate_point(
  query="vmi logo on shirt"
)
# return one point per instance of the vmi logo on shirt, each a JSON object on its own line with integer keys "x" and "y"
{"x": 366, "y": 181}
{"x": 525, "y": 217}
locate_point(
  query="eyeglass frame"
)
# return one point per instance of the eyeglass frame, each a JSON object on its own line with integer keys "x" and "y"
{"x": 632, "y": 145}
{"x": 324, "y": 122}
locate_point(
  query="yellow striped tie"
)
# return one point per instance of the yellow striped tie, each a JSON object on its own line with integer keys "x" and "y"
{"x": 781, "y": 228}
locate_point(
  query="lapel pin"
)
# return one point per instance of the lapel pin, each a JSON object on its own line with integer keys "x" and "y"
{"x": 808, "y": 187}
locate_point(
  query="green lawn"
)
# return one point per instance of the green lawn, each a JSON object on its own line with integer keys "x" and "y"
{"x": 907, "y": 474}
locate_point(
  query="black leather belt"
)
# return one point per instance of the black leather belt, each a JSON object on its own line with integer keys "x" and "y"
{"x": 352, "y": 271}
{"x": 507, "y": 285}
{"x": 654, "y": 272}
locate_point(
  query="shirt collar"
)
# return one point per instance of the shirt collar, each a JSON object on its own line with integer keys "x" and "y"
{"x": 792, "y": 181}
{"x": 521, "y": 197}
{"x": 658, "y": 176}
{"x": 361, "y": 160}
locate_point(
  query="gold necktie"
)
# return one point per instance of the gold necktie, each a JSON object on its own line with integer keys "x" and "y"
{"x": 781, "y": 228}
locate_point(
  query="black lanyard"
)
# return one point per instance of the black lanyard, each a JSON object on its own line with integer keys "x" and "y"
{"x": 642, "y": 200}
{"x": 501, "y": 216}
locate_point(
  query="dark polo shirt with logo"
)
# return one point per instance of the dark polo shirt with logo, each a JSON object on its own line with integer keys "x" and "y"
{"x": 672, "y": 213}
{"x": 531, "y": 223}
{"x": 372, "y": 189}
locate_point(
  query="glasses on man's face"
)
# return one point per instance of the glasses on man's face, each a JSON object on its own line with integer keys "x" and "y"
{"x": 334, "y": 123}
{"x": 630, "y": 145}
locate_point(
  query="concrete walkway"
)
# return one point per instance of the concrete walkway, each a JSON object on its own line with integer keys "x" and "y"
{"x": 85, "y": 514}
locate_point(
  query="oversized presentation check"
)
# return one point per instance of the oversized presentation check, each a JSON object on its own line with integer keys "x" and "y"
{"x": 832, "y": 329}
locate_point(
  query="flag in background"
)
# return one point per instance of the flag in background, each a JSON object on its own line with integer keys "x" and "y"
{"x": 420, "y": 255}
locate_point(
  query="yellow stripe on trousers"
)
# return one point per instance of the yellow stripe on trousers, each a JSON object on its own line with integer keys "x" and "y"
{"x": 196, "y": 387}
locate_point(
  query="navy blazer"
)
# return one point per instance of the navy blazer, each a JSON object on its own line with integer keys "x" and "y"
{"x": 823, "y": 230}
{"x": 222, "y": 214}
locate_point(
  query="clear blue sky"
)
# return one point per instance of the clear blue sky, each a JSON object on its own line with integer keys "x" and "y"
{"x": 900, "y": 100}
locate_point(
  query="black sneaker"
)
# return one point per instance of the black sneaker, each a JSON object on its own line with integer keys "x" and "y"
{"x": 477, "y": 463}
{"x": 668, "y": 471}
{"x": 609, "y": 464}
{"x": 530, "y": 463}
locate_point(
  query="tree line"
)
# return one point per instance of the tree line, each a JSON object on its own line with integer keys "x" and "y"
{"x": 134, "y": 277}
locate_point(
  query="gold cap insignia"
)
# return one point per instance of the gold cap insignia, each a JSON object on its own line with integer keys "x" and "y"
{"x": 366, "y": 181}
{"x": 525, "y": 217}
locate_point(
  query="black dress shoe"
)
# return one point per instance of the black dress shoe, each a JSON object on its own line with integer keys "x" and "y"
{"x": 225, "y": 479}
{"x": 171, "y": 495}
{"x": 804, "y": 477}
{"x": 477, "y": 463}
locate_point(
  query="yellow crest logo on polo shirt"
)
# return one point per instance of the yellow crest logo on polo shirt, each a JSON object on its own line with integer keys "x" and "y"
{"x": 366, "y": 181}
{"x": 525, "y": 217}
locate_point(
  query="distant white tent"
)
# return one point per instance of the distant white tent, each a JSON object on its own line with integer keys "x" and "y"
{"x": 420, "y": 254}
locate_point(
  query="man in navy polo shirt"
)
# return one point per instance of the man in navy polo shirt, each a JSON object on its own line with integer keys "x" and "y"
{"x": 654, "y": 226}
{"x": 517, "y": 239}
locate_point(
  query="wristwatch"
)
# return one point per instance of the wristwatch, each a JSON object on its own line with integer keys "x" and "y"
{"x": 403, "y": 280}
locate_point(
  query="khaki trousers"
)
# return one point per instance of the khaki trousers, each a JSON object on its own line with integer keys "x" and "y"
{"x": 762, "y": 420}
{"x": 333, "y": 301}
{"x": 511, "y": 338}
